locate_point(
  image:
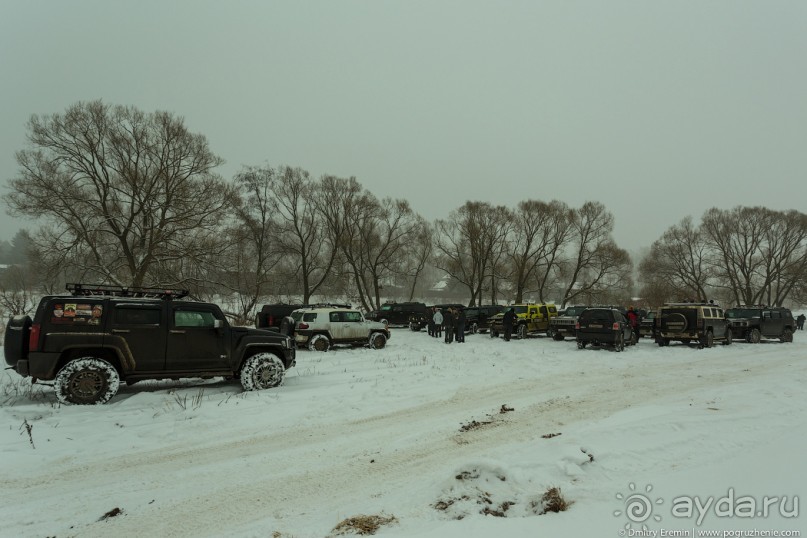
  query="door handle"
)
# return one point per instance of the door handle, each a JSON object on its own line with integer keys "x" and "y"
{"x": 120, "y": 331}
{"x": 174, "y": 331}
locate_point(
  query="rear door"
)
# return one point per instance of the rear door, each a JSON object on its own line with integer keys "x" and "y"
{"x": 141, "y": 327}
{"x": 773, "y": 324}
{"x": 194, "y": 344}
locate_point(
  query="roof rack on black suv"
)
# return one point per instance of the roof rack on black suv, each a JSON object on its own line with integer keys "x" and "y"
{"x": 91, "y": 340}
{"x": 88, "y": 290}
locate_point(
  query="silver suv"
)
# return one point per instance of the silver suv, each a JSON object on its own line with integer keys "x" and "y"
{"x": 321, "y": 328}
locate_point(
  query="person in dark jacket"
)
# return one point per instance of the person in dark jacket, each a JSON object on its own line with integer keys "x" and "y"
{"x": 460, "y": 325}
{"x": 508, "y": 320}
{"x": 448, "y": 325}
{"x": 430, "y": 322}
{"x": 800, "y": 322}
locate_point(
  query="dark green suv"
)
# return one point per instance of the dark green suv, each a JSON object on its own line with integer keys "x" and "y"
{"x": 753, "y": 323}
{"x": 89, "y": 341}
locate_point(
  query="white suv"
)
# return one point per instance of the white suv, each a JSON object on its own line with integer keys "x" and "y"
{"x": 320, "y": 328}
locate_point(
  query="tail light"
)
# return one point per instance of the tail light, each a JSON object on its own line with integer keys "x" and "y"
{"x": 615, "y": 326}
{"x": 271, "y": 320}
{"x": 33, "y": 338}
{"x": 302, "y": 325}
{"x": 577, "y": 325}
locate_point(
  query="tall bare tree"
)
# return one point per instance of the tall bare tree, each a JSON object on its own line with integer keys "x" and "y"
{"x": 301, "y": 232}
{"x": 469, "y": 243}
{"x": 122, "y": 191}
{"x": 679, "y": 265}
{"x": 760, "y": 252}
{"x": 595, "y": 264}
{"x": 541, "y": 231}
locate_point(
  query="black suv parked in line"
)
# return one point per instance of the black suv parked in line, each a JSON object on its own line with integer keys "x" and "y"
{"x": 604, "y": 326}
{"x": 89, "y": 341}
{"x": 753, "y": 323}
{"x": 477, "y": 318}
{"x": 419, "y": 320}
{"x": 396, "y": 313}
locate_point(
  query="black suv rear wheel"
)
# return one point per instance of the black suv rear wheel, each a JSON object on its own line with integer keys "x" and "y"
{"x": 84, "y": 381}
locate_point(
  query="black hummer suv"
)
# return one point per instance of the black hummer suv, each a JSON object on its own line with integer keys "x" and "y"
{"x": 753, "y": 323}
{"x": 396, "y": 313}
{"x": 703, "y": 323}
{"x": 89, "y": 341}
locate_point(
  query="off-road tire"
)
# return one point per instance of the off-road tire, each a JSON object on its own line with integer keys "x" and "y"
{"x": 708, "y": 340}
{"x": 474, "y": 328}
{"x": 319, "y": 342}
{"x": 581, "y": 345}
{"x": 15, "y": 344}
{"x": 86, "y": 381}
{"x": 787, "y": 336}
{"x": 378, "y": 341}
{"x": 729, "y": 338}
{"x": 262, "y": 371}
{"x": 521, "y": 332}
{"x": 754, "y": 336}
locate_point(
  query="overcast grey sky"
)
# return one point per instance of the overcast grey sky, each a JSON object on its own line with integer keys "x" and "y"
{"x": 657, "y": 109}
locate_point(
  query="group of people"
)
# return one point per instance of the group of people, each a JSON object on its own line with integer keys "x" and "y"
{"x": 450, "y": 321}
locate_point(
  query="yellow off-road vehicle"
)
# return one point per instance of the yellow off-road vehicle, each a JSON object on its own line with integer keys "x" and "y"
{"x": 531, "y": 318}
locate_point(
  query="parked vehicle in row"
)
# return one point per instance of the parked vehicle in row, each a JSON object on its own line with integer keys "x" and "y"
{"x": 322, "y": 328}
{"x": 272, "y": 315}
{"x": 91, "y": 340}
{"x": 602, "y": 326}
{"x": 753, "y": 323}
{"x": 477, "y": 318}
{"x": 703, "y": 323}
{"x": 531, "y": 318}
{"x": 564, "y": 324}
{"x": 647, "y": 324}
{"x": 420, "y": 320}
{"x": 396, "y": 314}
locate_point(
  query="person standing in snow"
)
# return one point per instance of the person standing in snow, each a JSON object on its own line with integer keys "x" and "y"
{"x": 507, "y": 323}
{"x": 633, "y": 319}
{"x": 460, "y": 325}
{"x": 800, "y": 322}
{"x": 448, "y": 325}
{"x": 438, "y": 322}
{"x": 430, "y": 322}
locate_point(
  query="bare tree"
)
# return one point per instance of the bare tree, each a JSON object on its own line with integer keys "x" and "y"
{"x": 596, "y": 264}
{"x": 123, "y": 191}
{"x": 376, "y": 244}
{"x": 469, "y": 243}
{"x": 760, "y": 252}
{"x": 301, "y": 230}
{"x": 540, "y": 233}
{"x": 679, "y": 264}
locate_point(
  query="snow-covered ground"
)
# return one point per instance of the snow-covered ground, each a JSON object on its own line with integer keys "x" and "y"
{"x": 431, "y": 434}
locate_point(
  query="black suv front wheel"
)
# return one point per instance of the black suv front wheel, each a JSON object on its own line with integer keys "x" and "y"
{"x": 262, "y": 371}
{"x": 85, "y": 381}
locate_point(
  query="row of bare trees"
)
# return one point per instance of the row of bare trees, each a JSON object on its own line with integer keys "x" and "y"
{"x": 745, "y": 255}
{"x": 130, "y": 198}
{"x": 548, "y": 251}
